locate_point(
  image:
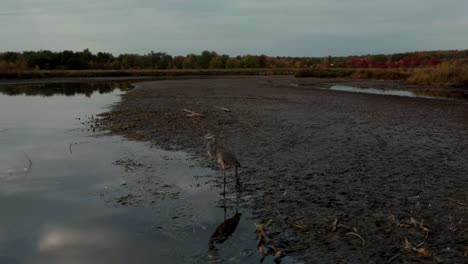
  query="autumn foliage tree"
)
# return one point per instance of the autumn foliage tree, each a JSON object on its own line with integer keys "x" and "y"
{"x": 86, "y": 60}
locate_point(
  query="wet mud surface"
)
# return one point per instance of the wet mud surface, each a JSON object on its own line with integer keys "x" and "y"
{"x": 334, "y": 177}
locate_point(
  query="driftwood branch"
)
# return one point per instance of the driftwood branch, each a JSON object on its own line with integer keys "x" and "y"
{"x": 192, "y": 113}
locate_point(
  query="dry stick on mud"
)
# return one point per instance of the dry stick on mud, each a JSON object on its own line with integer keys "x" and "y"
{"x": 192, "y": 113}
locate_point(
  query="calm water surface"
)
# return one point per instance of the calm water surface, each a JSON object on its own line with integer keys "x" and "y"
{"x": 59, "y": 183}
{"x": 458, "y": 95}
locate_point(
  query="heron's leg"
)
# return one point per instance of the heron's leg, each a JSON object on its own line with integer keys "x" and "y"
{"x": 224, "y": 171}
{"x": 225, "y": 211}
{"x": 238, "y": 184}
{"x": 224, "y": 202}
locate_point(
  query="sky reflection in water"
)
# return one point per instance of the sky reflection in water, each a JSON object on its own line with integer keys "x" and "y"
{"x": 421, "y": 93}
{"x": 52, "y": 212}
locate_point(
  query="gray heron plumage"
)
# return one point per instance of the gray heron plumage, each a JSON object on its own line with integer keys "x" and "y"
{"x": 223, "y": 156}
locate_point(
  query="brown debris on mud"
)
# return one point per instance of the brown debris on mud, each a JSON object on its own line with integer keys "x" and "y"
{"x": 341, "y": 177}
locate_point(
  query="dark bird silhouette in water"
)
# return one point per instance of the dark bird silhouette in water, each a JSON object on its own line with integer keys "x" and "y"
{"x": 224, "y": 157}
{"x": 224, "y": 230}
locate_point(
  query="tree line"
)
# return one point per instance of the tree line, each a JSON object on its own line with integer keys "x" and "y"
{"x": 86, "y": 60}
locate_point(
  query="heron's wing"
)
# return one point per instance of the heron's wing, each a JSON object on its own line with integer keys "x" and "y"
{"x": 229, "y": 157}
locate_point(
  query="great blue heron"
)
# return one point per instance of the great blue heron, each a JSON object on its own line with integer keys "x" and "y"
{"x": 224, "y": 157}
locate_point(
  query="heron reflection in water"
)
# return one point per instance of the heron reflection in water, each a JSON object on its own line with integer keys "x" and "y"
{"x": 224, "y": 231}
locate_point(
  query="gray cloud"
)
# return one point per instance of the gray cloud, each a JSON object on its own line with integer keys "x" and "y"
{"x": 296, "y": 28}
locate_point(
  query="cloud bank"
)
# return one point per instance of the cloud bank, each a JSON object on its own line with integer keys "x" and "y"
{"x": 283, "y": 28}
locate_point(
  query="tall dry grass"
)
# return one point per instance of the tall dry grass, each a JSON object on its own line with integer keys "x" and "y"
{"x": 381, "y": 74}
{"x": 324, "y": 73}
{"x": 445, "y": 74}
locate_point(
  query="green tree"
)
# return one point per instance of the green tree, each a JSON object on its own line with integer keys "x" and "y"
{"x": 189, "y": 62}
{"x": 219, "y": 62}
{"x": 250, "y": 61}
{"x": 233, "y": 63}
{"x": 205, "y": 58}
{"x": 177, "y": 62}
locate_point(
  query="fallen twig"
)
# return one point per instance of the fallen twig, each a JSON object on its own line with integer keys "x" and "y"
{"x": 347, "y": 227}
{"x": 192, "y": 113}
{"x": 299, "y": 225}
{"x": 357, "y": 235}
{"x": 418, "y": 249}
{"x": 333, "y": 226}
{"x": 223, "y": 108}
{"x": 420, "y": 244}
{"x": 393, "y": 258}
{"x": 413, "y": 223}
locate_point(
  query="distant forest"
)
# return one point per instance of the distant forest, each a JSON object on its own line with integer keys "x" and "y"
{"x": 86, "y": 60}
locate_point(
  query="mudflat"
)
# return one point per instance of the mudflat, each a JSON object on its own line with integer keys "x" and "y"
{"x": 335, "y": 177}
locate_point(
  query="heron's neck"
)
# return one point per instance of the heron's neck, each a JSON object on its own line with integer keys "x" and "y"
{"x": 212, "y": 144}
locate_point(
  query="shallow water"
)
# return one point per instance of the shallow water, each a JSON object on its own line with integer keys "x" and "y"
{"x": 60, "y": 184}
{"x": 421, "y": 93}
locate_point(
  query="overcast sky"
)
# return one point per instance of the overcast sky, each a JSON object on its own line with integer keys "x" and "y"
{"x": 272, "y": 27}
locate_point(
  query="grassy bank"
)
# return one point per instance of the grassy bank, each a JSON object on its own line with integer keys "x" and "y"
{"x": 445, "y": 74}
{"x": 354, "y": 73}
{"x": 134, "y": 73}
